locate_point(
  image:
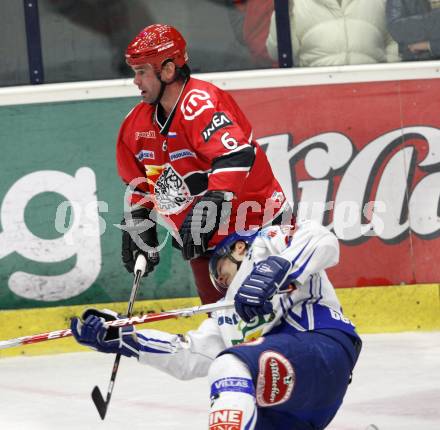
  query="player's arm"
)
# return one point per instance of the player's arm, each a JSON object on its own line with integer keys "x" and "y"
{"x": 182, "y": 356}
{"x": 132, "y": 172}
{"x": 224, "y": 137}
{"x": 139, "y": 232}
{"x": 312, "y": 248}
{"x": 216, "y": 136}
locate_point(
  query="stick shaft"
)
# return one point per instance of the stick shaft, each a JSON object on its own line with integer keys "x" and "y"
{"x": 142, "y": 319}
{"x": 139, "y": 269}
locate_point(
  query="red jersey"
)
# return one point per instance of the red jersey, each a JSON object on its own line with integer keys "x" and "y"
{"x": 205, "y": 144}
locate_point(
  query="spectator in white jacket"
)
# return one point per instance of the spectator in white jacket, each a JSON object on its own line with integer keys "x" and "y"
{"x": 337, "y": 32}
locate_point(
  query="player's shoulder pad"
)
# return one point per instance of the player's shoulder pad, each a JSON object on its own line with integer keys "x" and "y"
{"x": 141, "y": 112}
{"x": 141, "y": 106}
{"x": 200, "y": 97}
{"x": 311, "y": 225}
{"x": 212, "y": 90}
{"x": 273, "y": 231}
{"x": 268, "y": 232}
{"x": 276, "y": 237}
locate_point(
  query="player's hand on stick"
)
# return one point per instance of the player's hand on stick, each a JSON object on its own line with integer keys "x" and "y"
{"x": 139, "y": 235}
{"x": 90, "y": 330}
{"x": 202, "y": 221}
{"x": 254, "y": 295}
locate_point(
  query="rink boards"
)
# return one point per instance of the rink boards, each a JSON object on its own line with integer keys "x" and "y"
{"x": 372, "y": 309}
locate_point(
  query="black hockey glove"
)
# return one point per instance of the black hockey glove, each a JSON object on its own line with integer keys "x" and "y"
{"x": 139, "y": 236}
{"x": 202, "y": 222}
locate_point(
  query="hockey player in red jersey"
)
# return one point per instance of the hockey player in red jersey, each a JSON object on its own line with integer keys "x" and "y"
{"x": 201, "y": 169}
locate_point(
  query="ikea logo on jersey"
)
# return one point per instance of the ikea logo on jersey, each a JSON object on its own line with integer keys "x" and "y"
{"x": 218, "y": 121}
{"x": 145, "y": 155}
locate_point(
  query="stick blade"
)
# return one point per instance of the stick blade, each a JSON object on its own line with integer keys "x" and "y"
{"x": 99, "y": 402}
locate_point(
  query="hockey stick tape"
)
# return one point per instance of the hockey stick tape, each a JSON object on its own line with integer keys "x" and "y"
{"x": 141, "y": 264}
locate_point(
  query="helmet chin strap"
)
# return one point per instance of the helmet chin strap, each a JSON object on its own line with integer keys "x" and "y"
{"x": 162, "y": 85}
{"x": 161, "y": 91}
{"x": 234, "y": 260}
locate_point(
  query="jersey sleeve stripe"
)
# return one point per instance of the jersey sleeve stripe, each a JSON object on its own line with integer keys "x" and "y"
{"x": 242, "y": 158}
{"x": 230, "y": 169}
{"x": 139, "y": 193}
{"x": 239, "y": 148}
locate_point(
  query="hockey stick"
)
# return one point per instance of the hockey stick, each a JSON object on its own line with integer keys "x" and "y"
{"x": 98, "y": 399}
{"x": 122, "y": 322}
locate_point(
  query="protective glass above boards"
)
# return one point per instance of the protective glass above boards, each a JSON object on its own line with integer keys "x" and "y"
{"x": 82, "y": 40}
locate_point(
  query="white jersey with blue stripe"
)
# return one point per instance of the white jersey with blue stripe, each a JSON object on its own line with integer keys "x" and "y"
{"x": 312, "y": 305}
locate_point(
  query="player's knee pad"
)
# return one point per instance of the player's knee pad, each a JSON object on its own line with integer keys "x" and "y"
{"x": 232, "y": 394}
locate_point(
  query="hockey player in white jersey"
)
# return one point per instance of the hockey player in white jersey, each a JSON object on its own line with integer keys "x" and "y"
{"x": 282, "y": 359}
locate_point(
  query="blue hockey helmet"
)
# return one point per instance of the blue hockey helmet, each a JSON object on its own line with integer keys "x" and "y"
{"x": 224, "y": 249}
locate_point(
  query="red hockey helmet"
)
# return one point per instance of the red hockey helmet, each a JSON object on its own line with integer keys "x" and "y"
{"x": 156, "y": 44}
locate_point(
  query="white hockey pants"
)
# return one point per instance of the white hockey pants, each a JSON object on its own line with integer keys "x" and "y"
{"x": 232, "y": 395}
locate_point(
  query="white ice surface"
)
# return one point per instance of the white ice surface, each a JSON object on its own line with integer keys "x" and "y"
{"x": 396, "y": 386}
